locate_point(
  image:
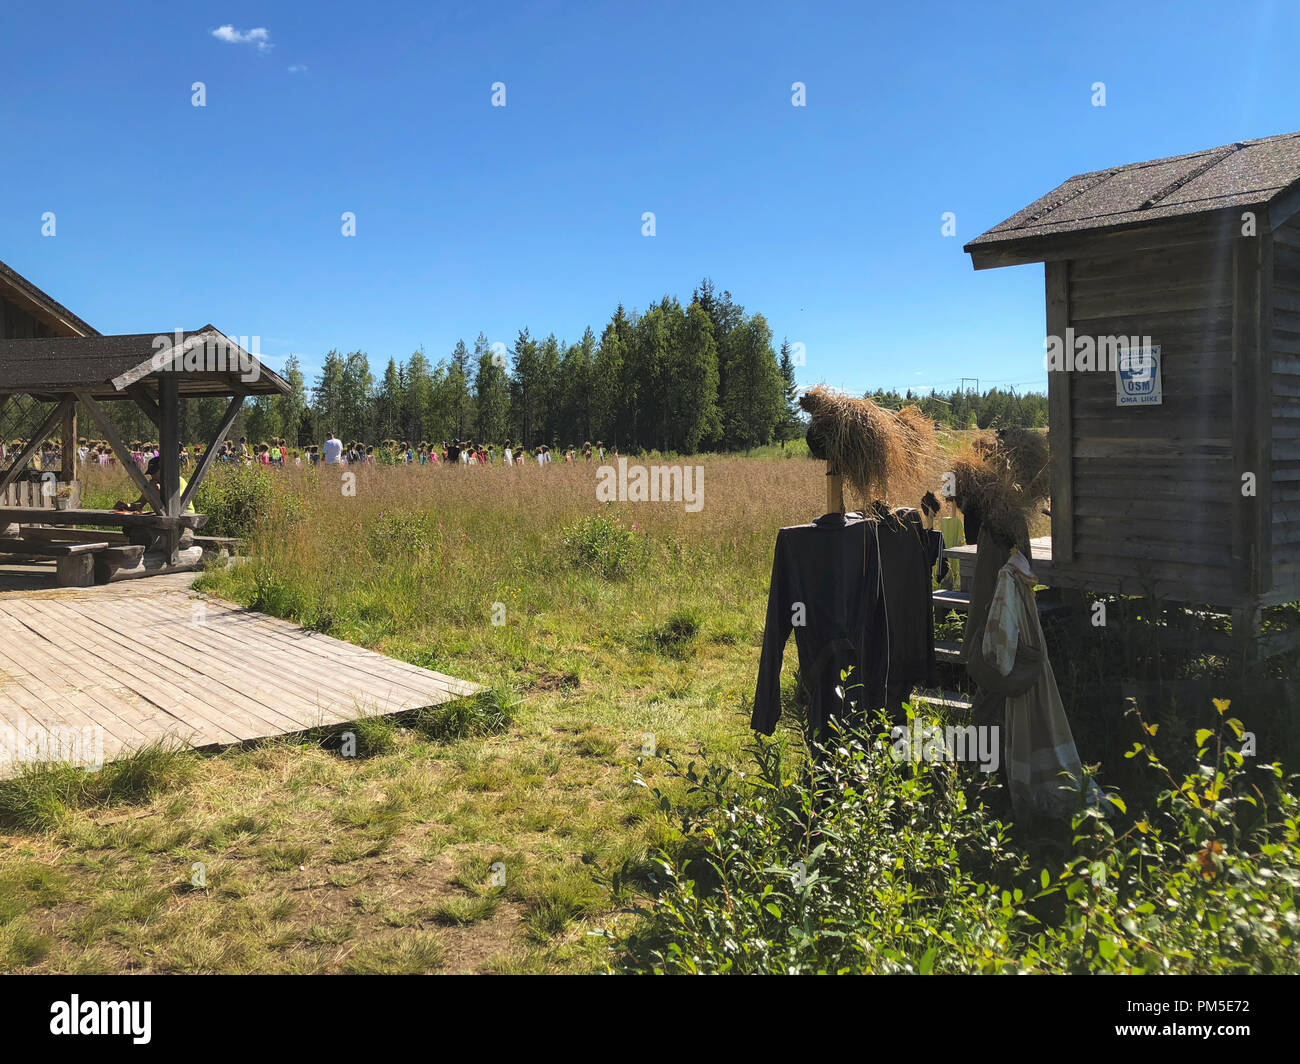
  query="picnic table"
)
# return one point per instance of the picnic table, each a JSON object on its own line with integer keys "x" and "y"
{"x": 34, "y": 515}
{"x": 153, "y": 542}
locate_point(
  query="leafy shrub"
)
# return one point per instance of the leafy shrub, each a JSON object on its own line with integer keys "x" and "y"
{"x": 874, "y": 865}
{"x": 274, "y": 593}
{"x": 235, "y": 498}
{"x": 603, "y": 545}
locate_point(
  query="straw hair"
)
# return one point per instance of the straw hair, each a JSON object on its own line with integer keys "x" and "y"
{"x": 1001, "y": 477}
{"x": 871, "y": 447}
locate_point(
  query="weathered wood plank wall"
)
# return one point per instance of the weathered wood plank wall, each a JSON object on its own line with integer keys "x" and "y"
{"x": 1285, "y": 411}
{"x": 1154, "y": 488}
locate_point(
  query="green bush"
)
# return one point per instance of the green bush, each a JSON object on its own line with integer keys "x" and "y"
{"x": 603, "y": 545}
{"x": 234, "y": 498}
{"x": 876, "y": 865}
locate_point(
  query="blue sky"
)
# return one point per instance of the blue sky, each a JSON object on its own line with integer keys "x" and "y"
{"x": 825, "y": 218}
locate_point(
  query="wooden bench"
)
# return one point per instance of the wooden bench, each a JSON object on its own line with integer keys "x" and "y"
{"x": 74, "y": 562}
{"x": 74, "y": 535}
{"x": 134, "y": 560}
{"x": 218, "y": 548}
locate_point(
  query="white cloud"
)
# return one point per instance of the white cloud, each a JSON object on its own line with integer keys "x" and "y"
{"x": 298, "y": 68}
{"x": 259, "y": 38}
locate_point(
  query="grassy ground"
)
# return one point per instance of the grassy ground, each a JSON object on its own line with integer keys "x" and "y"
{"x": 634, "y": 631}
{"x": 477, "y": 840}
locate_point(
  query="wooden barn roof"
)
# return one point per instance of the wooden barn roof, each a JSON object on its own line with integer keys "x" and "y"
{"x": 19, "y": 291}
{"x": 106, "y": 366}
{"x": 1263, "y": 175}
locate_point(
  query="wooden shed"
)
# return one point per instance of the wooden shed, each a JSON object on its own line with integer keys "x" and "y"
{"x": 26, "y": 312}
{"x": 1181, "y": 479}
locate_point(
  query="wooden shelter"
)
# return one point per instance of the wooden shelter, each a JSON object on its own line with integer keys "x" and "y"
{"x": 1176, "y": 470}
{"x": 59, "y": 359}
{"x": 26, "y": 311}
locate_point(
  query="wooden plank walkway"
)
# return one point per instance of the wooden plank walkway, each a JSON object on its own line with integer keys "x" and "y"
{"x": 130, "y": 664}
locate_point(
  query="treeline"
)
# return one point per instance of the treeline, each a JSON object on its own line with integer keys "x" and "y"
{"x": 973, "y": 410}
{"x": 679, "y": 378}
{"x": 699, "y": 377}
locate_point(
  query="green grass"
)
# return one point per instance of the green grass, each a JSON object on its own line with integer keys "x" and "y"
{"x": 40, "y": 796}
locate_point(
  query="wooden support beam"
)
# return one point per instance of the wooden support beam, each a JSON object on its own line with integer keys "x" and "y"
{"x": 1263, "y": 419}
{"x": 145, "y": 402}
{"x": 1218, "y": 227}
{"x": 1248, "y": 379}
{"x": 169, "y": 441}
{"x": 1060, "y": 416}
{"x": 33, "y": 445}
{"x": 68, "y": 461}
{"x": 123, "y": 455}
{"x": 210, "y": 453}
{"x": 1247, "y": 628}
{"x": 169, "y": 447}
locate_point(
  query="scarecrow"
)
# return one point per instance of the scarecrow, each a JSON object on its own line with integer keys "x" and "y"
{"x": 859, "y": 582}
{"x": 1000, "y": 480}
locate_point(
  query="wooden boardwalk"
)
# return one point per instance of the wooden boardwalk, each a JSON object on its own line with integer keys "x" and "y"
{"x": 149, "y": 660}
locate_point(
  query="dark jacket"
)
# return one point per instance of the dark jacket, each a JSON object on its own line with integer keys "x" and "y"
{"x": 826, "y": 574}
{"x": 905, "y": 562}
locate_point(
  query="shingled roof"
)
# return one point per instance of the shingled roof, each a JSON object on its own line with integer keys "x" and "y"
{"x": 206, "y": 361}
{"x": 15, "y": 288}
{"x": 1250, "y": 174}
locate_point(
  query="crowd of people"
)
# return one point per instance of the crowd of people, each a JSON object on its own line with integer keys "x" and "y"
{"x": 277, "y": 453}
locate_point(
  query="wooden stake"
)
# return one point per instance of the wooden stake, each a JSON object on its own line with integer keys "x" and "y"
{"x": 834, "y": 491}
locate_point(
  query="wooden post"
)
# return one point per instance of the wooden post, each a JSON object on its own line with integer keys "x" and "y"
{"x": 1246, "y": 372}
{"x": 1263, "y": 457}
{"x": 834, "y": 491}
{"x": 169, "y": 443}
{"x": 1060, "y": 416}
{"x": 1247, "y": 630}
{"x": 68, "y": 464}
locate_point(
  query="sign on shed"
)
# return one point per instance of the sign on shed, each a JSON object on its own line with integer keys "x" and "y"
{"x": 1137, "y": 377}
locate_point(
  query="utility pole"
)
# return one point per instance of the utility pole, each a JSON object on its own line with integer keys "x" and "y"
{"x": 975, "y": 379}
